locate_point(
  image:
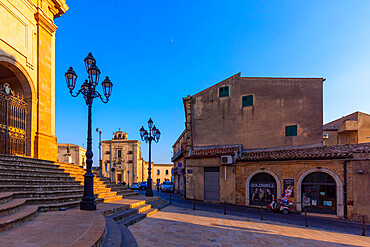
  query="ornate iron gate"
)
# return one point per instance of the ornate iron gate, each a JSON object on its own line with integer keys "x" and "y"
{"x": 13, "y": 113}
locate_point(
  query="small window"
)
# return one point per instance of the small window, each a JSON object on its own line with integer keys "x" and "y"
{"x": 224, "y": 91}
{"x": 247, "y": 100}
{"x": 158, "y": 172}
{"x": 166, "y": 172}
{"x": 130, "y": 152}
{"x": 291, "y": 130}
{"x": 119, "y": 154}
{"x": 130, "y": 161}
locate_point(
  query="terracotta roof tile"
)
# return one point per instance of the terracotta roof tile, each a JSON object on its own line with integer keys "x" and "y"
{"x": 318, "y": 152}
{"x": 213, "y": 152}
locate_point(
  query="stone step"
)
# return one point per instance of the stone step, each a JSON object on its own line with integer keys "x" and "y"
{"x": 31, "y": 171}
{"x": 101, "y": 190}
{"x": 10, "y": 175}
{"x": 56, "y": 187}
{"x": 137, "y": 217}
{"x": 113, "y": 185}
{"x": 58, "y": 206}
{"x": 46, "y": 194}
{"x": 12, "y": 158}
{"x": 5, "y": 197}
{"x": 105, "y": 194}
{"x": 75, "y": 173}
{"x": 20, "y": 165}
{"x": 52, "y": 200}
{"x": 129, "y": 194}
{"x": 9, "y": 221}
{"x": 109, "y": 199}
{"x": 115, "y": 231}
{"x": 12, "y": 206}
{"x": 139, "y": 201}
{"x": 16, "y": 181}
{"x": 67, "y": 164}
{"x": 130, "y": 212}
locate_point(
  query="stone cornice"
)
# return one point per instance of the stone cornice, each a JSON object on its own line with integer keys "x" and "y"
{"x": 60, "y": 7}
{"x": 45, "y": 22}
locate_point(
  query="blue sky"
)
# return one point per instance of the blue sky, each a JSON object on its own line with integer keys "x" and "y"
{"x": 157, "y": 52}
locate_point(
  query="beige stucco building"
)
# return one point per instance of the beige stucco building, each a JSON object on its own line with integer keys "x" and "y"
{"x": 27, "y": 67}
{"x": 350, "y": 129}
{"x": 71, "y": 153}
{"x": 122, "y": 160}
{"x": 161, "y": 172}
{"x": 248, "y": 140}
{"x": 179, "y": 152}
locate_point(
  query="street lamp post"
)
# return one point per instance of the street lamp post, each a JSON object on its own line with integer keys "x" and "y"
{"x": 100, "y": 163}
{"x": 89, "y": 93}
{"x": 153, "y": 135}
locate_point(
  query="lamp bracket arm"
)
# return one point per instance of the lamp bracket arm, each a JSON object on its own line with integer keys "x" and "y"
{"x": 99, "y": 95}
{"x": 75, "y": 95}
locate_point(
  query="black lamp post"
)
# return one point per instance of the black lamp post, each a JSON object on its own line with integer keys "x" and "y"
{"x": 153, "y": 135}
{"x": 89, "y": 93}
{"x": 99, "y": 146}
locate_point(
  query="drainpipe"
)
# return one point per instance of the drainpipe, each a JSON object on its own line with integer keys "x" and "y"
{"x": 345, "y": 189}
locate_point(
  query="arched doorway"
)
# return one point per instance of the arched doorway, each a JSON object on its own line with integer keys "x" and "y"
{"x": 319, "y": 193}
{"x": 15, "y": 111}
{"x": 262, "y": 189}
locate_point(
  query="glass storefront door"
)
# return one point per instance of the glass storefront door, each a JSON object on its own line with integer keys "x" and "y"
{"x": 319, "y": 193}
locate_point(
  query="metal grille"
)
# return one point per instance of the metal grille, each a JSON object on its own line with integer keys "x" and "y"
{"x": 13, "y": 113}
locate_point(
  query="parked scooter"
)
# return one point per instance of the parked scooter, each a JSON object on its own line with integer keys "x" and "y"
{"x": 279, "y": 206}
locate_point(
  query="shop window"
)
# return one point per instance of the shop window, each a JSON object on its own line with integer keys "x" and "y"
{"x": 224, "y": 92}
{"x": 262, "y": 189}
{"x": 247, "y": 100}
{"x": 291, "y": 130}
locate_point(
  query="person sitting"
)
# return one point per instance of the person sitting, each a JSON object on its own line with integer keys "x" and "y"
{"x": 282, "y": 201}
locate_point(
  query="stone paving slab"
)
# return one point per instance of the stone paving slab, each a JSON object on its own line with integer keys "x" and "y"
{"x": 59, "y": 228}
{"x": 175, "y": 226}
{"x": 67, "y": 228}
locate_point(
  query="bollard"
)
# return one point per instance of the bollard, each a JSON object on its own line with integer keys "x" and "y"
{"x": 305, "y": 216}
{"x": 363, "y": 226}
{"x": 261, "y": 212}
{"x": 225, "y": 208}
{"x": 194, "y": 204}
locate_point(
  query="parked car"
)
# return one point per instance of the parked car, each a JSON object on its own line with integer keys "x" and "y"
{"x": 135, "y": 186}
{"x": 143, "y": 185}
{"x": 167, "y": 186}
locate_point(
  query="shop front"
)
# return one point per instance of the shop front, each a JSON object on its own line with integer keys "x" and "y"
{"x": 319, "y": 193}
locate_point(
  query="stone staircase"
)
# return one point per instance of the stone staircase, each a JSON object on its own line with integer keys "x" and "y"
{"x": 119, "y": 219}
{"x": 29, "y": 186}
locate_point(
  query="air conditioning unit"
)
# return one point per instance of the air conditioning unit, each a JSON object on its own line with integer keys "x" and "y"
{"x": 226, "y": 160}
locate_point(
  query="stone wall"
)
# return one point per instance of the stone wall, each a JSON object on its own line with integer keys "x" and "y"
{"x": 277, "y": 103}
{"x": 27, "y": 48}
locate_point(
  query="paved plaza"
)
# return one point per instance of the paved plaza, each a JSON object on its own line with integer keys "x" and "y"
{"x": 178, "y": 226}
